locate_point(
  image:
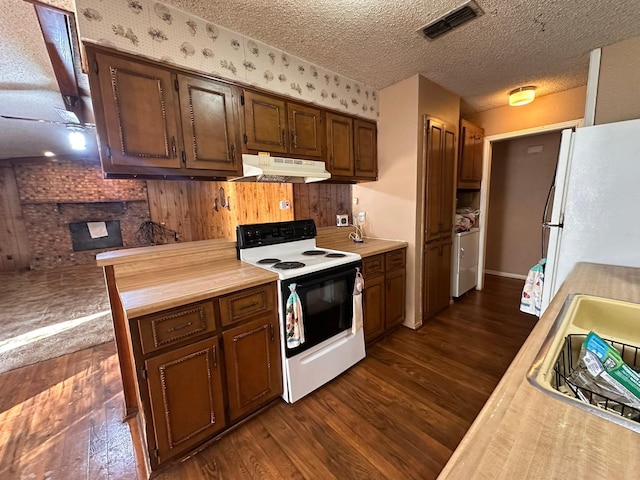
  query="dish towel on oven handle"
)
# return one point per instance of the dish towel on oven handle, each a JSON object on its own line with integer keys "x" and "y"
{"x": 295, "y": 324}
{"x": 358, "y": 287}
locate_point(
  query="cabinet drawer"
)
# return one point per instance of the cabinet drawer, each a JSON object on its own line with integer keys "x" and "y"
{"x": 395, "y": 259}
{"x": 374, "y": 264}
{"x": 171, "y": 326}
{"x": 242, "y": 305}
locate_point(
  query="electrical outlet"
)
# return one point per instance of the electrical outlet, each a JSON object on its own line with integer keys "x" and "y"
{"x": 362, "y": 217}
{"x": 355, "y": 200}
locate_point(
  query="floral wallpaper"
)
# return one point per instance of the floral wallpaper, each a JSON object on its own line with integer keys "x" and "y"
{"x": 160, "y": 32}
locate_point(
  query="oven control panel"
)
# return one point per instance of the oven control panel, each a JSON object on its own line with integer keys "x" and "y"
{"x": 260, "y": 234}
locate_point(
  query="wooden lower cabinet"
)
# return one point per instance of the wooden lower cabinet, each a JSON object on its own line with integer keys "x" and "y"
{"x": 395, "y": 284}
{"x": 252, "y": 359}
{"x": 203, "y": 366}
{"x": 374, "y": 307}
{"x": 182, "y": 421}
{"x": 385, "y": 292}
{"x": 437, "y": 277}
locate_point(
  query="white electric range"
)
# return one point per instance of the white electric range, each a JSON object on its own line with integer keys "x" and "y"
{"x": 323, "y": 281}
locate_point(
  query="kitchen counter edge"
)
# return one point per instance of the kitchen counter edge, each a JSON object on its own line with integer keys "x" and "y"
{"x": 524, "y": 433}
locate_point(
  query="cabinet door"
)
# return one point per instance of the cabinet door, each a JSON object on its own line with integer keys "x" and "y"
{"x": 339, "y": 145}
{"x": 374, "y": 307}
{"x": 185, "y": 390}
{"x": 305, "y": 124}
{"x": 478, "y": 147}
{"x": 448, "y": 182}
{"x": 437, "y": 277}
{"x": 440, "y": 151}
{"x": 136, "y": 113}
{"x": 395, "y": 297}
{"x": 252, "y": 361}
{"x": 470, "y": 156}
{"x": 209, "y": 125}
{"x": 366, "y": 149}
{"x": 434, "y": 151}
{"x": 265, "y": 119}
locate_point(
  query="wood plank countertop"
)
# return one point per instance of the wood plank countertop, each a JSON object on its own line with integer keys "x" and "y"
{"x": 524, "y": 433}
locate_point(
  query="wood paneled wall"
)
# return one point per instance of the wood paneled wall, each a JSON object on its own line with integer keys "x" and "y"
{"x": 321, "y": 202}
{"x": 188, "y": 206}
{"x": 14, "y": 244}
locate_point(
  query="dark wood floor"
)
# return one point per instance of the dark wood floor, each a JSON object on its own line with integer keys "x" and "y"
{"x": 399, "y": 413}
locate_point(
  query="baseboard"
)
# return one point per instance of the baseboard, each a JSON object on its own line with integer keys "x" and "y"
{"x": 506, "y": 274}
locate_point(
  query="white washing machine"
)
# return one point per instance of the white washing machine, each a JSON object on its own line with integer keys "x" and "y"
{"x": 465, "y": 261}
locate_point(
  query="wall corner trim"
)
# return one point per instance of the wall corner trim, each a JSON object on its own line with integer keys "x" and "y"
{"x": 592, "y": 87}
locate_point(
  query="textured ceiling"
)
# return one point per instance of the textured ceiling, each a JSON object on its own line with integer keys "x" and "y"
{"x": 534, "y": 42}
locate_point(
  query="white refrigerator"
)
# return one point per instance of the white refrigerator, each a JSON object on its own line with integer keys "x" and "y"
{"x": 595, "y": 215}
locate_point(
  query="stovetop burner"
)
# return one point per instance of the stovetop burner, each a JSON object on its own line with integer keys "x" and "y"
{"x": 288, "y": 265}
{"x": 314, "y": 252}
{"x": 266, "y": 261}
{"x": 335, "y": 255}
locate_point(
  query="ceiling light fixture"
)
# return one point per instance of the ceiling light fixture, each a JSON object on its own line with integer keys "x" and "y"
{"x": 522, "y": 96}
{"x": 77, "y": 139}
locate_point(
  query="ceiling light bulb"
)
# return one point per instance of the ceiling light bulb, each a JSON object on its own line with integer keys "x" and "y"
{"x": 48, "y": 153}
{"x": 77, "y": 140}
{"x": 522, "y": 96}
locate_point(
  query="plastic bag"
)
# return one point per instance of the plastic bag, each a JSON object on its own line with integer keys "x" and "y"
{"x": 531, "y": 300}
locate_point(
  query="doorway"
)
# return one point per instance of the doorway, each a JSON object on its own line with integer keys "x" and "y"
{"x": 495, "y": 255}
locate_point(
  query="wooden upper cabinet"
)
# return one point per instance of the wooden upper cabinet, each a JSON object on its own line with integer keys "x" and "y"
{"x": 265, "y": 119}
{"x": 305, "y": 125}
{"x": 339, "y": 157}
{"x": 209, "y": 125}
{"x": 470, "y": 156}
{"x": 137, "y": 102}
{"x": 187, "y": 399}
{"x": 366, "y": 149}
{"x": 440, "y": 147}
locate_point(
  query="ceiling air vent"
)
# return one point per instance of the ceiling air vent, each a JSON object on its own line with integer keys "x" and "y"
{"x": 451, "y": 20}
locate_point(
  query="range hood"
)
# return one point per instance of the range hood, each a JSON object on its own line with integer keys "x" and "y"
{"x": 263, "y": 168}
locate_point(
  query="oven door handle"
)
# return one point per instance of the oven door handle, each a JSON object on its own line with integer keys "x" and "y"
{"x": 333, "y": 276}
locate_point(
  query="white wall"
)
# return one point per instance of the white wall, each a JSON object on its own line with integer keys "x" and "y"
{"x": 393, "y": 203}
{"x": 390, "y": 202}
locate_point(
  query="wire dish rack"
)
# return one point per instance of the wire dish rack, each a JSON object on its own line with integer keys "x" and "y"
{"x": 567, "y": 361}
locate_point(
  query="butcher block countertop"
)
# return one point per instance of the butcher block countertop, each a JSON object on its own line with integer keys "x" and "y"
{"x": 151, "y": 279}
{"x": 144, "y": 294}
{"x": 524, "y": 433}
{"x": 337, "y": 238}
